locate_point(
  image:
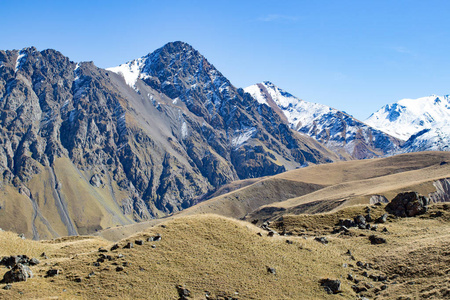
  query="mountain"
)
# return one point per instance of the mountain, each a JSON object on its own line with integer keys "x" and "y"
{"x": 335, "y": 129}
{"x": 83, "y": 148}
{"x": 423, "y": 122}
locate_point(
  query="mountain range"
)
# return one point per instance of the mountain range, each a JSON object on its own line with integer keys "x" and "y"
{"x": 423, "y": 123}
{"x": 85, "y": 148}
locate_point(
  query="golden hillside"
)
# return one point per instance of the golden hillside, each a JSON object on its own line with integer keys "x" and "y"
{"x": 221, "y": 257}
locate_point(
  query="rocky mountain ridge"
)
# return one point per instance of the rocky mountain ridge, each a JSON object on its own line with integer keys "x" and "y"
{"x": 335, "y": 129}
{"x": 85, "y": 148}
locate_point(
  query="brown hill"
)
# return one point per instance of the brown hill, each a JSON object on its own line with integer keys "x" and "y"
{"x": 321, "y": 188}
{"x": 216, "y": 257}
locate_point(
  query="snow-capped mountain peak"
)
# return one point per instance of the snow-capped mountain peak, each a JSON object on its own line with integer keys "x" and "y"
{"x": 336, "y": 129}
{"x": 131, "y": 70}
{"x": 410, "y": 116}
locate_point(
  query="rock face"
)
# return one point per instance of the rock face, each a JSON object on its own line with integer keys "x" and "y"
{"x": 408, "y": 204}
{"x": 139, "y": 141}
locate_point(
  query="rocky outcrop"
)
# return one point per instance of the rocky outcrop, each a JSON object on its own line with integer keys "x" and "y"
{"x": 442, "y": 193}
{"x": 408, "y": 204}
{"x": 18, "y": 273}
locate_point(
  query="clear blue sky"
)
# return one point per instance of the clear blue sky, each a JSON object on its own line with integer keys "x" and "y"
{"x": 352, "y": 55}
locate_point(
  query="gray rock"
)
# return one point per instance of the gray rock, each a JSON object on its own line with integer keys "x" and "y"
{"x": 376, "y": 240}
{"x": 331, "y": 286}
{"x": 347, "y": 223}
{"x": 183, "y": 292}
{"x": 322, "y": 240}
{"x": 155, "y": 238}
{"x": 96, "y": 180}
{"x": 7, "y": 287}
{"x": 52, "y": 272}
{"x": 139, "y": 242}
{"x": 18, "y": 273}
{"x": 360, "y": 220}
{"x": 129, "y": 245}
{"x": 408, "y": 204}
{"x": 271, "y": 270}
{"x": 382, "y": 219}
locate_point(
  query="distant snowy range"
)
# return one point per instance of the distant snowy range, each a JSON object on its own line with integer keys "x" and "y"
{"x": 424, "y": 123}
{"x": 409, "y": 125}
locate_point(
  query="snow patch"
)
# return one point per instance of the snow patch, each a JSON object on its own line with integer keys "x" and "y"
{"x": 256, "y": 93}
{"x": 242, "y": 137}
{"x": 184, "y": 130}
{"x": 22, "y": 54}
{"x": 130, "y": 71}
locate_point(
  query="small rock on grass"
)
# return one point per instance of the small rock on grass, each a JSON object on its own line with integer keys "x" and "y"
{"x": 375, "y": 240}
{"x": 52, "y": 272}
{"x": 129, "y": 245}
{"x": 183, "y": 292}
{"x": 322, "y": 240}
{"x": 331, "y": 286}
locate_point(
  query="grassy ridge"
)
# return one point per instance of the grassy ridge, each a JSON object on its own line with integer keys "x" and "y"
{"x": 227, "y": 257}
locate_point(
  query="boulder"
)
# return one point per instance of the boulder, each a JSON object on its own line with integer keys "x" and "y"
{"x": 52, "y": 272}
{"x": 382, "y": 219}
{"x": 11, "y": 261}
{"x": 96, "y": 180}
{"x": 360, "y": 220}
{"x": 129, "y": 245}
{"x": 408, "y": 204}
{"x": 322, "y": 240}
{"x": 183, "y": 292}
{"x": 331, "y": 286}
{"x": 18, "y": 273}
{"x": 376, "y": 240}
{"x": 347, "y": 223}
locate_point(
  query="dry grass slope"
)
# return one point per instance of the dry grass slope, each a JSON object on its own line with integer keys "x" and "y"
{"x": 317, "y": 189}
{"x": 210, "y": 254}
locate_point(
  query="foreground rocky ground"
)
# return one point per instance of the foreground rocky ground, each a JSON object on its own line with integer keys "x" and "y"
{"x": 356, "y": 252}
